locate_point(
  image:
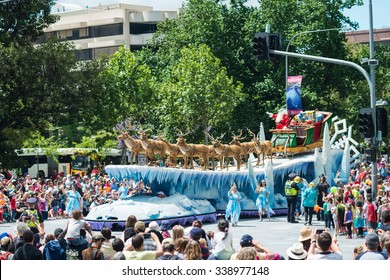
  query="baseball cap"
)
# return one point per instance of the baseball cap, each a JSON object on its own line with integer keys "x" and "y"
{"x": 31, "y": 200}
{"x": 196, "y": 233}
{"x": 57, "y": 232}
{"x": 167, "y": 242}
{"x": 246, "y": 241}
{"x": 97, "y": 236}
{"x": 291, "y": 176}
{"x": 372, "y": 239}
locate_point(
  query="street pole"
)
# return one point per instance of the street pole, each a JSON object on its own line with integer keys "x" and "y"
{"x": 374, "y": 173}
{"x": 301, "y": 33}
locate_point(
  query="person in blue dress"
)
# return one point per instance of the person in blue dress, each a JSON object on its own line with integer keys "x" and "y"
{"x": 233, "y": 208}
{"x": 123, "y": 191}
{"x": 74, "y": 200}
{"x": 262, "y": 201}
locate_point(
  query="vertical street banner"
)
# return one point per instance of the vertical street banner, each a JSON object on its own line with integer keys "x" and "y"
{"x": 293, "y": 95}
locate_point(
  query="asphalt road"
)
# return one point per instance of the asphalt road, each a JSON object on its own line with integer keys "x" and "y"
{"x": 276, "y": 235}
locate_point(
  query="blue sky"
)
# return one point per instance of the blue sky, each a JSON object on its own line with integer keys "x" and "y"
{"x": 381, "y": 9}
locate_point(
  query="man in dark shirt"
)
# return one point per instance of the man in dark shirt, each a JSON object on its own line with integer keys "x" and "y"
{"x": 28, "y": 251}
{"x": 322, "y": 190}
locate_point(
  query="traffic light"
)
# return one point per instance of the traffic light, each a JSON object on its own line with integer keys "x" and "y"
{"x": 371, "y": 154}
{"x": 381, "y": 121}
{"x": 275, "y": 43}
{"x": 260, "y": 46}
{"x": 366, "y": 123}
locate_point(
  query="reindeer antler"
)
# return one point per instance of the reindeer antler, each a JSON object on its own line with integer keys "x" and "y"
{"x": 181, "y": 134}
{"x": 251, "y": 133}
{"x": 238, "y": 137}
{"x": 220, "y": 137}
{"x": 210, "y": 136}
{"x": 160, "y": 135}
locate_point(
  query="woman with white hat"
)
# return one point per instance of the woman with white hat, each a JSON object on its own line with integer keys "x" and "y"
{"x": 296, "y": 252}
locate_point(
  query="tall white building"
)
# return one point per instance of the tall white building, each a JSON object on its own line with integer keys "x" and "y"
{"x": 103, "y": 29}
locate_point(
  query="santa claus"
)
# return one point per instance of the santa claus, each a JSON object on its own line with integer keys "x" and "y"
{"x": 281, "y": 118}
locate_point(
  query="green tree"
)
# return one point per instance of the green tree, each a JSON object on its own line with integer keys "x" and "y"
{"x": 23, "y": 21}
{"x": 128, "y": 87}
{"x": 225, "y": 28}
{"x": 42, "y": 86}
{"x": 200, "y": 94}
{"x": 34, "y": 86}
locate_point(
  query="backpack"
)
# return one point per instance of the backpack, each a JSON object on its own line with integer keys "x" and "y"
{"x": 4, "y": 257}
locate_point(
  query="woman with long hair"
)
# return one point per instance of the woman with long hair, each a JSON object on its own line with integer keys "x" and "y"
{"x": 129, "y": 227}
{"x": 74, "y": 200}
{"x": 262, "y": 201}
{"x": 233, "y": 208}
{"x": 177, "y": 232}
{"x": 192, "y": 251}
{"x": 180, "y": 246}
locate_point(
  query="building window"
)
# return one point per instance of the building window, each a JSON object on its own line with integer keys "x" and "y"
{"x": 135, "y": 47}
{"x": 142, "y": 28}
{"x": 75, "y": 34}
{"x": 106, "y": 30}
{"x": 82, "y": 55}
{"x": 104, "y": 51}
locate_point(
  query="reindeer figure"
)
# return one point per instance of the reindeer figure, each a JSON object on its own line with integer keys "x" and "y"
{"x": 214, "y": 156}
{"x": 227, "y": 151}
{"x": 134, "y": 145}
{"x": 247, "y": 147}
{"x": 262, "y": 148}
{"x": 192, "y": 150}
{"x": 153, "y": 147}
{"x": 172, "y": 150}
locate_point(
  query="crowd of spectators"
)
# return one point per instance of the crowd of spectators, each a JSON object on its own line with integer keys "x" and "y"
{"x": 60, "y": 195}
{"x": 29, "y": 202}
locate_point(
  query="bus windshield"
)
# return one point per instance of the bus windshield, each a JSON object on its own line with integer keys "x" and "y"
{"x": 80, "y": 162}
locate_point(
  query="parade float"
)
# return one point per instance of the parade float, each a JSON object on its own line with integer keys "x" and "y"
{"x": 304, "y": 133}
{"x": 201, "y": 192}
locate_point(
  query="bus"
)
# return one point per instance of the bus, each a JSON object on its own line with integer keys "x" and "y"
{"x": 69, "y": 160}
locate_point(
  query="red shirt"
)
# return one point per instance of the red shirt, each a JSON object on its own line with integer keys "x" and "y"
{"x": 13, "y": 203}
{"x": 371, "y": 214}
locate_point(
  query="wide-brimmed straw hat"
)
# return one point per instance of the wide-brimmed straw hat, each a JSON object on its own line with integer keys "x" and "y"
{"x": 305, "y": 234}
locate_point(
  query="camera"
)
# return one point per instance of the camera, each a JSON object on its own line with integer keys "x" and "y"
{"x": 147, "y": 235}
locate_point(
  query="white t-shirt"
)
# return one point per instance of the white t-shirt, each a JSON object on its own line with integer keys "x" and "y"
{"x": 74, "y": 227}
{"x": 328, "y": 256}
{"x": 219, "y": 244}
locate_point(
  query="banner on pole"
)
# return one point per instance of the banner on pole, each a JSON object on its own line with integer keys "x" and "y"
{"x": 293, "y": 95}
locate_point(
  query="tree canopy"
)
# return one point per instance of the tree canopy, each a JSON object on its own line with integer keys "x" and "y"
{"x": 23, "y": 21}
{"x": 198, "y": 73}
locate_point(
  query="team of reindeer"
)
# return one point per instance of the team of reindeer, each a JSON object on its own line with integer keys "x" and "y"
{"x": 235, "y": 149}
